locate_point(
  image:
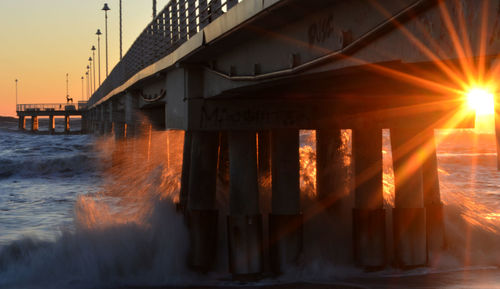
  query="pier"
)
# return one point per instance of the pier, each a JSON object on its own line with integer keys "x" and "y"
{"x": 242, "y": 78}
{"x": 51, "y": 111}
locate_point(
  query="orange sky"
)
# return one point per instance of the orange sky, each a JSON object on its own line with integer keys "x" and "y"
{"x": 43, "y": 40}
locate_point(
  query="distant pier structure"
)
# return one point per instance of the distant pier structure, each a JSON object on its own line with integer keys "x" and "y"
{"x": 52, "y": 111}
{"x": 241, "y": 78}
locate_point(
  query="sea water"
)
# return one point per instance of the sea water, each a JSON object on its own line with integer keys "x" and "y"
{"x": 70, "y": 218}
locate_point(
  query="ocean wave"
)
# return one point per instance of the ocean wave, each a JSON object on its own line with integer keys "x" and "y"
{"x": 35, "y": 166}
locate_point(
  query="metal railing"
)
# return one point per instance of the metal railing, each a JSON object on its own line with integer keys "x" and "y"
{"x": 175, "y": 24}
{"x": 82, "y": 105}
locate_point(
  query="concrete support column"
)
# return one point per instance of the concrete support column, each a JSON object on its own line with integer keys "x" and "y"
{"x": 409, "y": 222}
{"x": 52, "y": 126}
{"x": 436, "y": 240}
{"x": 22, "y": 123}
{"x": 368, "y": 214}
{"x": 202, "y": 212}
{"x": 245, "y": 220}
{"x": 330, "y": 176}
{"x": 66, "y": 124}
{"x": 34, "y": 123}
{"x": 102, "y": 128}
{"x": 85, "y": 123}
{"x": 186, "y": 164}
{"x": 285, "y": 222}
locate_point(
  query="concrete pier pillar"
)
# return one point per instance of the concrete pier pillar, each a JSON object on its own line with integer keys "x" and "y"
{"x": 245, "y": 221}
{"x": 102, "y": 128}
{"x": 52, "y": 125}
{"x": 368, "y": 214}
{"x": 285, "y": 221}
{"x": 264, "y": 154}
{"x": 34, "y": 123}
{"x": 22, "y": 123}
{"x": 66, "y": 124}
{"x": 186, "y": 164}
{"x": 409, "y": 224}
{"x": 436, "y": 240}
{"x": 202, "y": 212}
{"x": 330, "y": 176}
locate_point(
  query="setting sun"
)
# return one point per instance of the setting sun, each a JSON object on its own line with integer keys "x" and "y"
{"x": 481, "y": 100}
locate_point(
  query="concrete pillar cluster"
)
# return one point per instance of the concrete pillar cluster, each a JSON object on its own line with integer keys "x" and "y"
{"x": 52, "y": 125}
{"x": 22, "y": 122}
{"x": 202, "y": 153}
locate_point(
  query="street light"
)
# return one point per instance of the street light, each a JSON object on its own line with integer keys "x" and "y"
{"x": 82, "y": 88}
{"x": 88, "y": 82}
{"x": 16, "y": 94}
{"x": 154, "y": 9}
{"x": 121, "y": 50}
{"x": 90, "y": 75}
{"x": 98, "y": 33}
{"x": 106, "y": 9}
{"x": 93, "y": 63}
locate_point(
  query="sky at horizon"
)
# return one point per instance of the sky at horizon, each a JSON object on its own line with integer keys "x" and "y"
{"x": 44, "y": 40}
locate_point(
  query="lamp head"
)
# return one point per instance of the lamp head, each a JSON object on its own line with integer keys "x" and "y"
{"x": 98, "y": 32}
{"x": 93, "y": 48}
{"x": 106, "y": 7}
{"x": 90, "y": 58}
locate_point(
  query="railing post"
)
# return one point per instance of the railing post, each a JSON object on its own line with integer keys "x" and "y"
{"x": 183, "y": 20}
{"x": 215, "y": 9}
{"x": 175, "y": 24}
{"x": 192, "y": 17}
{"x": 231, "y": 3}
{"x": 203, "y": 12}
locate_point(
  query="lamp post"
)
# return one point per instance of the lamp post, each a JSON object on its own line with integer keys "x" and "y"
{"x": 16, "y": 94}
{"x": 90, "y": 75}
{"x": 82, "y": 88}
{"x": 88, "y": 82}
{"x": 106, "y": 9}
{"x": 121, "y": 46}
{"x": 93, "y": 63}
{"x": 154, "y": 9}
{"x": 98, "y": 33}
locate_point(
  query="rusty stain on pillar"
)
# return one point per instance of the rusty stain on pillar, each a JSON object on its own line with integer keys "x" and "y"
{"x": 330, "y": 176}
{"x": 223, "y": 163}
{"x": 245, "y": 221}
{"x": 436, "y": 238}
{"x": 202, "y": 212}
{"x": 285, "y": 221}
{"x": 264, "y": 154}
{"x": 34, "y": 123}
{"x": 368, "y": 214}
{"x": 409, "y": 222}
